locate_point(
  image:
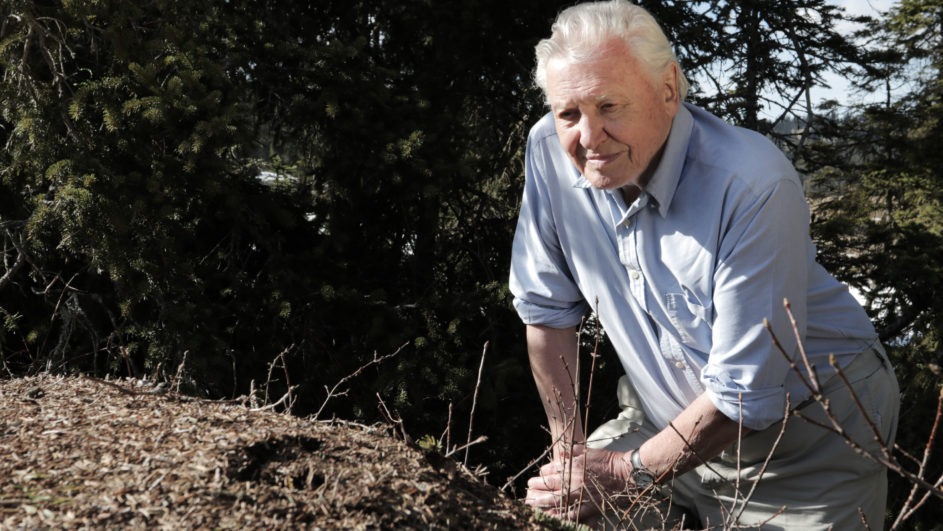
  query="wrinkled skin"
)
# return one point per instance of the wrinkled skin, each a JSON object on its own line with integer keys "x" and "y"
{"x": 600, "y": 474}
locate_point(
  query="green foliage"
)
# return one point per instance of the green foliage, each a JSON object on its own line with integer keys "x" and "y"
{"x": 431, "y": 443}
{"x": 754, "y": 62}
{"x": 551, "y": 522}
{"x": 138, "y": 234}
{"x": 879, "y": 219}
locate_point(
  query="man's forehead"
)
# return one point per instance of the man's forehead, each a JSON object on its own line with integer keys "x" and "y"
{"x": 589, "y": 82}
{"x": 563, "y": 101}
{"x": 617, "y": 74}
{"x": 594, "y": 54}
{"x": 597, "y": 49}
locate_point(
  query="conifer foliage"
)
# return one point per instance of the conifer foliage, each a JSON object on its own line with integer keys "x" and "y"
{"x": 882, "y": 213}
{"x": 215, "y": 184}
{"x": 879, "y": 208}
{"x": 129, "y": 204}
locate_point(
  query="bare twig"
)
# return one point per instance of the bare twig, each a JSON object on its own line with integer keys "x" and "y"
{"x": 465, "y": 446}
{"x": 694, "y": 452}
{"x": 792, "y": 364}
{"x": 471, "y": 415}
{"x": 540, "y": 457}
{"x": 647, "y": 490}
{"x": 589, "y": 393}
{"x": 574, "y": 422}
{"x": 333, "y": 392}
{"x": 569, "y": 424}
{"x": 854, "y": 396}
{"x": 524, "y": 470}
{"x": 813, "y": 377}
{"x": 175, "y": 385}
{"x": 887, "y": 459}
{"x": 769, "y": 456}
{"x": 271, "y": 367}
{"x": 772, "y": 516}
{"x": 864, "y": 519}
{"x": 736, "y": 489}
{"x": 394, "y": 422}
{"x": 907, "y": 511}
{"x": 291, "y": 401}
{"x": 447, "y": 433}
{"x": 12, "y": 270}
{"x": 66, "y": 317}
{"x": 251, "y": 399}
{"x": 906, "y": 454}
{"x": 285, "y": 399}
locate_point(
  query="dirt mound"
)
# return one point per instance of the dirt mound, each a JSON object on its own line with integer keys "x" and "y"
{"x": 77, "y": 452}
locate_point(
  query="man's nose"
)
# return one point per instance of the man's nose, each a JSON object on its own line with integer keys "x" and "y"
{"x": 592, "y": 132}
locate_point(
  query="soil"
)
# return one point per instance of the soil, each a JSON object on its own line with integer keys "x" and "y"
{"x": 77, "y": 452}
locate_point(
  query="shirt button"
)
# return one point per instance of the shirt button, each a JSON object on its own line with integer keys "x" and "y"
{"x": 634, "y": 275}
{"x": 679, "y": 364}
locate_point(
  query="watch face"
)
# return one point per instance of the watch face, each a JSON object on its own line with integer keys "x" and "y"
{"x": 642, "y": 479}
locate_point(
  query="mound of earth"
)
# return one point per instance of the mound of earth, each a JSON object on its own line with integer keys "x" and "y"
{"x": 77, "y": 452}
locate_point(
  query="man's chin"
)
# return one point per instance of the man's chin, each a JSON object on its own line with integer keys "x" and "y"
{"x": 601, "y": 182}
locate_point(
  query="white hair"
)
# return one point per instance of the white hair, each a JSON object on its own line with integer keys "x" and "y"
{"x": 580, "y": 32}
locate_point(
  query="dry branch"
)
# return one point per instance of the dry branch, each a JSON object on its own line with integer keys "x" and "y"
{"x": 333, "y": 392}
{"x": 887, "y": 459}
{"x": 471, "y": 415}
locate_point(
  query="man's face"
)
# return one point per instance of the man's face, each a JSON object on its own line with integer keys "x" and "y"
{"x": 611, "y": 116}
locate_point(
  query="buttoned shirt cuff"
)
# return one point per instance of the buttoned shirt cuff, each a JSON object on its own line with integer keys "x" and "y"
{"x": 554, "y": 317}
{"x": 760, "y": 408}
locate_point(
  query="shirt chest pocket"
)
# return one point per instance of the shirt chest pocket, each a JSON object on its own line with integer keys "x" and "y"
{"x": 690, "y": 318}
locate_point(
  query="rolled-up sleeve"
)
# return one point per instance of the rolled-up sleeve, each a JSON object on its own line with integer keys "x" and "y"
{"x": 543, "y": 287}
{"x": 762, "y": 260}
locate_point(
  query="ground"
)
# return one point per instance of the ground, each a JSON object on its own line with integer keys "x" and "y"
{"x": 77, "y": 452}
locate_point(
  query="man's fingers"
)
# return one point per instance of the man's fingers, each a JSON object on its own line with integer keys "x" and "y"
{"x": 553, "y": 467}
{"x": 550, "y": 482}
{"x": 542, "y": 499}
{"x": 551, "y": 498}
{"x": 539, "y": 482}
{"x": 554, "y": 504}
{"x": 539, "y": 497}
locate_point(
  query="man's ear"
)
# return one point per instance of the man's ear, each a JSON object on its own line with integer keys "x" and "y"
{"x": 669, "y": 86}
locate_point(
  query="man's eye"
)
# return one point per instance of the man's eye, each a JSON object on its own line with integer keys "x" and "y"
{"x": 606, "y": 107}
{"x": 567, "y": 115}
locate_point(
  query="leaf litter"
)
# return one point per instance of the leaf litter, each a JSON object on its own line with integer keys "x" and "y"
{"x": 78, "y": 453}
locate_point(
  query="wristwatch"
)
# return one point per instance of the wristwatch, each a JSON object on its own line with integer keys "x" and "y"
{"x": 640, "y": 475}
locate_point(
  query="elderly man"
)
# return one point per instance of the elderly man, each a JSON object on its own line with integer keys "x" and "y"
{"x": 683, "y": 233}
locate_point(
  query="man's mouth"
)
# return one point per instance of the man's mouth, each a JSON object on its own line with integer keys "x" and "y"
{"x": 598, "y": 160}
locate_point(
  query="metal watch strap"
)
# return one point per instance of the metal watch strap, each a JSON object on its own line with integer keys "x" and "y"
{"x": 640, "y": 475}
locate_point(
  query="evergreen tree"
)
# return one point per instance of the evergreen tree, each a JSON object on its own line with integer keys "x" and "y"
{"x": 879, "y": 214}
{"x": 137, "y": 234}
{"x": 754, "y": 62}
{"x": 126, "y": 193}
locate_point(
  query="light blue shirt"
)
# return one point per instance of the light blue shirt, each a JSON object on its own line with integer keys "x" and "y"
{"x": 682, "y": 279}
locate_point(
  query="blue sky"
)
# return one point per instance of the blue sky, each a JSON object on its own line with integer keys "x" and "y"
{"x": 839, "y": 87}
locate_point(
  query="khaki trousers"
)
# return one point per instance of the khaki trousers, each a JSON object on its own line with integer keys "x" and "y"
{"x": 814, "y": 479}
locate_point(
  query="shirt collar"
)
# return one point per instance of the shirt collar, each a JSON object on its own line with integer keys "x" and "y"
{"x": 668, "y": 173}
{"x": 665, "y": 180}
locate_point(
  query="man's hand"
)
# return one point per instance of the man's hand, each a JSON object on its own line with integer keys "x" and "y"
{"x": 601, "y": 475}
